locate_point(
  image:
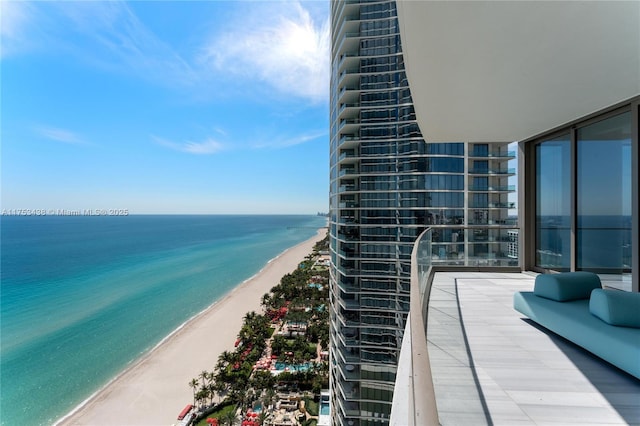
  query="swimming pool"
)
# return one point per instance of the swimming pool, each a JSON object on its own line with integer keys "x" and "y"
{"x": 292, "y": 367}
{"x": 324, "y": 409}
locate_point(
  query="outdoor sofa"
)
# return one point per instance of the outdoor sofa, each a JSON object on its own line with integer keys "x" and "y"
{"x": 606, "y": 322}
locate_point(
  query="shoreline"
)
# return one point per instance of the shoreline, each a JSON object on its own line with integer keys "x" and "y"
{"x": 154, "y": 388}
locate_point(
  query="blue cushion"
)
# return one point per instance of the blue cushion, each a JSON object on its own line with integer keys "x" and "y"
{"x": 566, "y": 286}
{"x": 615, "y": 307}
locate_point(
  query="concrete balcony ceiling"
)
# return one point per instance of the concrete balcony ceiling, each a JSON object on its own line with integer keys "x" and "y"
{"x": 505, "y": 71}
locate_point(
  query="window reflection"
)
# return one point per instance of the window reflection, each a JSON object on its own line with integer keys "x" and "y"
{"x": 553, "y": 203}
{"x": 604, "y": 195}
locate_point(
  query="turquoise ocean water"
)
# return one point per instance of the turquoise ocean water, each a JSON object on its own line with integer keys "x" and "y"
{"x": 82, "y": 297}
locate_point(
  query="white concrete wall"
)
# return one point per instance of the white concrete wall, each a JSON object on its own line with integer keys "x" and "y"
{"x": 506, "y": 70}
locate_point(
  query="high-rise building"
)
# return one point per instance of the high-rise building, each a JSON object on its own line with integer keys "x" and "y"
{"x": 570, "y": 94}
{"x": 387, "y": 185}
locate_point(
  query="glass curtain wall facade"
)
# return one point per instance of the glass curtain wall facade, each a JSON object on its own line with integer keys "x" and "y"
{"x": 378, "y": 160}
{"x": 386, "y": 186}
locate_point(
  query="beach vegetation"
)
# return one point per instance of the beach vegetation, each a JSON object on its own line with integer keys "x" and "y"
{"x": 218, "y": 411}
{"x": 311, "y": 406}
{"x": 295, "y": 308}
{"x": 193, "y": 384}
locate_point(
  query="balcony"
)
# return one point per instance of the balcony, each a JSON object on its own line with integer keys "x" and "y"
{"x": 485, "y": 188}
{"x": 350, "y": 371}
{"x": 346, "y": 56}
{"x": 347, "y": 171}
{"x": 493, "y": 154}
{"x": 348, "y": 287}
{"x": 347, "y": 121}
{"x": 484, "y": 365}
{"x": 348, "y": 254}
{"x": 347, "y": 188}
{"x": 508, "y": 205}
{"x": 348, "y": 205}
{"x": 346, "y": 155}
{"x": 347, "y": 138}
{"x": 493, "y": 222}
{"x": 345, "y": 106}
{"x": 483, "y": 171}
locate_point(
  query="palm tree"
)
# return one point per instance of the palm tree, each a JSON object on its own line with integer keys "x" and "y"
{"x": 204, "y": 375}
{"x": 194, "y": 384}
{"x": 202, "y": 395}
{"x": 211, "y": 385}
{"x": 262, "y": 417}
{"x": 266, "y": 299}
{"x": 269, "y": 397}
{"x": 229, "y": 418}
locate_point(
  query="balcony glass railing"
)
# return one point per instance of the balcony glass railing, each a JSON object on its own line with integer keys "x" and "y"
{"x": 347, "y": 121}
{"x": 344, "y": 172}
{"x": 346, "y": 188}
{"x": 346, "y": 155}
{"x": 432, "y": 248}
{"x": 493, "y": 154}
{"x": 346, "y": 138}
{"x": 471, "y": 246}
{"x": 508, "y": 205}
{"x": 345, "y": 57}
{"x": 348, "y": 205}
{"x": 483, "y": 188}
{"x": 484, "y": 171}
{"x": 493, "y": 221}
{"x": 345, "y": 106}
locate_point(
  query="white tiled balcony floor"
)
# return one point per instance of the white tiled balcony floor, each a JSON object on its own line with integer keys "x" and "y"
{"x": 491, "y": 365}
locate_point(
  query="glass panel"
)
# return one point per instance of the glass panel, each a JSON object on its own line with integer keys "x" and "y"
{"x": 480, "y": 150}
{"x": 480, "y": 183}
{"x": 603, "y": 241}
{"x": 553, "y": 203}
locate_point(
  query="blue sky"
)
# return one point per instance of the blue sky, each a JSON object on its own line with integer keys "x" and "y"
{"x": 165, "y": 107}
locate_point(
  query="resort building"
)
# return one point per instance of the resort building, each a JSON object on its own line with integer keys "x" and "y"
{"x": 425, "y": 97}
{"x": 387, "y": 186}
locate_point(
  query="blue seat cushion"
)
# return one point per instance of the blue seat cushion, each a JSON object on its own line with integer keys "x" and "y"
{"x": 572, "y": 320}
{"x": 615, "y": 307}
{"x": 566, "y": 286}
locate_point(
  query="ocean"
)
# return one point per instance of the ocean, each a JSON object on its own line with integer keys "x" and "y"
{"x": 82, "y": 297}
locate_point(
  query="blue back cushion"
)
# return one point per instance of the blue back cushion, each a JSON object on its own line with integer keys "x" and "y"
{"x": 615, "y": 307}
{"x": 566, "y": 286}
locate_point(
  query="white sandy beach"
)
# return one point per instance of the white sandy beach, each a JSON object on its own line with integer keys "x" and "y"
{"x": 155, "y": 389}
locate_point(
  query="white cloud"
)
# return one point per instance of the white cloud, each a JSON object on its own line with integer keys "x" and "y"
{"x": 266, "y": 141}
{"x": 60, "y": 135}
{"x": 105, "y": 35}
{"x": 15, "y": 20}
{"x": 206, "y": 147}
{"x": 279, "y": 44}
{"x": 287, "y": 141}
{"x": 120, "y": 40}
